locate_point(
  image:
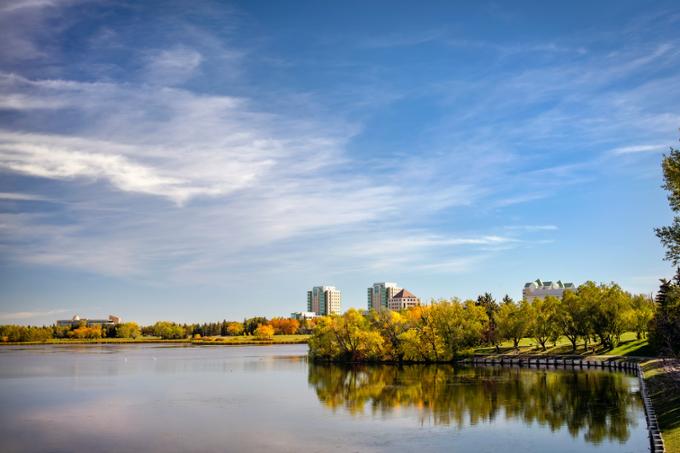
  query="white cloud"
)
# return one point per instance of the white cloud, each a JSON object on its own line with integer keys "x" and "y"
{"x": 14, "y": 196}
{"x": 172, "y": 66}
{"x": 635, "y": 149}
{"x": 28, "y": 315}
{"x": 532, "y": 227}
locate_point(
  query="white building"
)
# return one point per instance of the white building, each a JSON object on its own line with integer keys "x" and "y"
{"x": 303, "y": 315}
{"x": 76, "y": 320}
{"x": 324, "y": 300}
{"x": 541, "y": 289}
{"x": 380, "y": 293}
{"x": 403, "y": 300}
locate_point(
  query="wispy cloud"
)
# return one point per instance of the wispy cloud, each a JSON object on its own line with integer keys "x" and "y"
{"x": 14, "y": 196}
{"x": 28, "y": 315}
{"x": 172, "y": 66}
{"x": 532, "y": 227}
{"x": 636, "y": 149}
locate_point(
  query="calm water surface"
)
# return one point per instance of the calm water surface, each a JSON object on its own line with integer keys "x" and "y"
{"x": 159, "y": 398}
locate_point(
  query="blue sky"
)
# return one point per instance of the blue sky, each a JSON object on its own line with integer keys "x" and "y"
{"x": 195, "y": 164}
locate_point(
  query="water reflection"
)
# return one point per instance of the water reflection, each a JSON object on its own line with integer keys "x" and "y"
{"x": 600, "y": 405}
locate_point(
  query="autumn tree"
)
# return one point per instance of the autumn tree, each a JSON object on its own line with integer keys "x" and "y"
{"x": 285, "y": 326}
{"x": 235, "y": 328}
{"x": 264, "y": 332}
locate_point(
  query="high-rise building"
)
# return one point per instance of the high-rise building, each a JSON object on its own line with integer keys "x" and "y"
{"x": 541, "y": 289}
{"x": 380, "y": 293}
{"x": 324, "y": 300}
{"x": 402, "y": 300}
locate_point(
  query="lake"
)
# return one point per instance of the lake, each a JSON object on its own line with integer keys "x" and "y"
{"x": 167, "y": 398}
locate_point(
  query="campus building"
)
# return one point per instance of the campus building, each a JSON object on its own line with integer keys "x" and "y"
{"x": 380, "y": 293}
{"x": 76, "y": 320}
{"x": 324, "y": 300}
{"x": 402, "y": 300}
{"x": 541, "y": 289}
{"x": 303, "y": 315}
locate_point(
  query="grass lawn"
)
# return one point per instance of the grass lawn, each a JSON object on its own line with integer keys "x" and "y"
{"x": 629, "y": 346}
{"x": 665, "y": 394}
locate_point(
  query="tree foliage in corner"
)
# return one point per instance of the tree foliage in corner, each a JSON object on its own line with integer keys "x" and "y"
{"x": 670, "y": 235}
{"x": 665, "y": 327}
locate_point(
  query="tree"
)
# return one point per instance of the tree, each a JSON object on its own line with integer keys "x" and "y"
{"x": 641, "y": 313}
{"x": 128, "y": 330}
{"x": 664, "y": 332}
{"x": 285, "y": 326}
{"x": 348, "y": 337}
{"x": 422, "y": 341}
{"x": 512, "y": 321}
{"x": 250, "y": 324}
{"x": 92, "y": 332}
{"x": 390, "y": 324}
{"x": 169, "y": 330}
{"x": 264, "y": 332}
{"x": 670, "y": 235}
{"x": 235, "y": 329}
{"x": 571, "y": 318}
{"x": 490, "y": 305}
{"x": 542, "y": 325}
{"x": 609, "y": 305}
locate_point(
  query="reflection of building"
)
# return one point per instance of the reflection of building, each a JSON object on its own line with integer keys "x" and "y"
{"x": 76, "y": 320}
{"x": 541, "y": 289}
{"x": 302, "y": 315}
{"x": 324, "y": 300}
{"x": 402, "y": 300}
{"x": 380, "y": 293}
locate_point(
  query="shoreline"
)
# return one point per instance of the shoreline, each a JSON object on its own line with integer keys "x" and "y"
{"x": 236, "y": 341}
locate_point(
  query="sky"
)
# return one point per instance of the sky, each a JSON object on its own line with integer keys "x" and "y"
{"x": 166, "y": 162}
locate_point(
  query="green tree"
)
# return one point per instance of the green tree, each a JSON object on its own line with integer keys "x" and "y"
{"x": 250, "y": 324}
{"x": 128, "y": 330}
{"x": 664, "y": 332}
{"x": 608, "y": 306}
{"x": 542, "y": 325}
{"x": 512, "y": 321}
{"x": 670, "y": 235}
{"x": 490, "y": 305}
{"x": 641, "y": 314}
{"x": 459, "y": 325}
{"x": 169, "y": 330}
{"x": 572, "y": 318}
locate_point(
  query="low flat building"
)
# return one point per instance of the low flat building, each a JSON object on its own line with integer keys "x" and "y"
{"x": 303, "y": 315}
{"x": 403, "y": 300}
{"x": 76, "y": 320}
{"x": 542, "y": 289}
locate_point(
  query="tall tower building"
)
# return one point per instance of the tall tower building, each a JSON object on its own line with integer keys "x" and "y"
{"x": 324, "y": 300}
{"x": 380, "y": 293}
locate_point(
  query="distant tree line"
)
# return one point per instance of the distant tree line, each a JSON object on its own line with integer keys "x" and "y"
{"x": 14, "y": 333}
{"x": 260, "y": 327}
{"x": 440, "y": 331}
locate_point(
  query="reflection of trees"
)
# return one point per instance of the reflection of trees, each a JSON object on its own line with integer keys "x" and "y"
{"x": 596, "y": 403}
